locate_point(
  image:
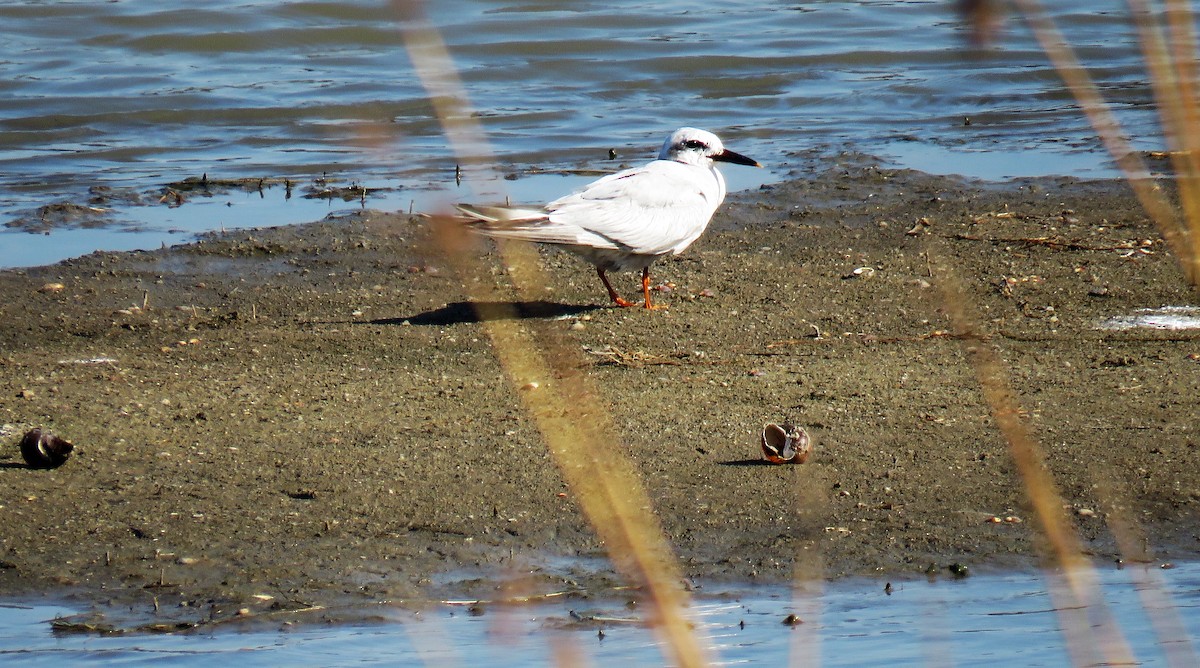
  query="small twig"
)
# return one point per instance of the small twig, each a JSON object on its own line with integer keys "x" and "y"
{"x": 1044, "y": 241}
{"x": 514, "y": 600}
{"x": 871, "y": 338}
{"x": 631, "y": 359}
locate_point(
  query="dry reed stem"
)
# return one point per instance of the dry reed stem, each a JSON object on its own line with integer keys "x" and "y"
{"x": 1170, "y": 55}
{"x": 1173, "y": 78}
{"x": 1182, "y": 55}
{"x": 578, "y": 431}
{"x": 1182, "y": 39}
{"x": 1086, "y": 622}
{"x": 1133, "y": 545}
{"x": 808, "y": 590}
{"x": 1166, "y": 80}
{"x": 1174, "y": 231}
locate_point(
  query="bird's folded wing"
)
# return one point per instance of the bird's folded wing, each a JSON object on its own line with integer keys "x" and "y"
{"x": 652, "y": 210}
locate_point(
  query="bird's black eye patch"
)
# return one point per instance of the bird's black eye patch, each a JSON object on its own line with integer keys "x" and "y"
{"x": 694, "y": 143}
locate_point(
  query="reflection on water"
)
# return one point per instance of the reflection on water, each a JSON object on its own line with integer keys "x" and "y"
{"x": 136, "y": 95}
{"x": 980, "y": 620}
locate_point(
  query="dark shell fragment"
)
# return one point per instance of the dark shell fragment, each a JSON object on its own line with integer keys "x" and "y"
{"x": 43, "y": 450}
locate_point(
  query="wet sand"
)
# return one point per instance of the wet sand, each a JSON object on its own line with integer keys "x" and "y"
{"x": 288, "y": 417}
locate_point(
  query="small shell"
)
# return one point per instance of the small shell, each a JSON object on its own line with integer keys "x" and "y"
{"x": 785, "y": 444}
{"x": 43, "y": 450}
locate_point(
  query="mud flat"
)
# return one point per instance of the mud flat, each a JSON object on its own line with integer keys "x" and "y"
{"x": 274, "y": 419}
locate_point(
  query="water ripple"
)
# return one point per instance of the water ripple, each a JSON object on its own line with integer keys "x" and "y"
{"x": 136, "y": 94}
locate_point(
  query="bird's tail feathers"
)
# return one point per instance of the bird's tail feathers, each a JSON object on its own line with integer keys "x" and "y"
{"x": 524, "y": 224}
{"x": 500, "y": 216}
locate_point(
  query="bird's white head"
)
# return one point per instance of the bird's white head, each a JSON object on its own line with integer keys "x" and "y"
{"x": 693, "y": 146}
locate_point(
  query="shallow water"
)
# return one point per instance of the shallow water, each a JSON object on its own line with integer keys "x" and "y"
{"x": 979, "y": 620}
{"x": 1166, "y": 317}
{"x": 135, "y": 95}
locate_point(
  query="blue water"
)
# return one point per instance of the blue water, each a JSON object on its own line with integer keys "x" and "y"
{"x": 134, "y": 95}
{"x": 983, "y": 620}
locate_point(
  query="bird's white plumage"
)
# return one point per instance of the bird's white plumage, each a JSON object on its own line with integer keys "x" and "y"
{"x": 656, "y": 209}
{"x": 627, "y": 220}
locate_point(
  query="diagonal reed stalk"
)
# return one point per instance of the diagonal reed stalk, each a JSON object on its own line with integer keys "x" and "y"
{"x": 1086, "y": 623}
{"x": 581, "y": 436}
{"x": 1133, "y": 544}
{"x": 1170, "y": 59}
{"x": 1173, "y": 75}
{"x": 565, "y": 406}
{"x": 1170, "y": 56}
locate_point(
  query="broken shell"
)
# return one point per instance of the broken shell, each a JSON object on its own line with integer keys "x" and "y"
{"x": 43, "y": 450}
{"x": 784, "y": 444}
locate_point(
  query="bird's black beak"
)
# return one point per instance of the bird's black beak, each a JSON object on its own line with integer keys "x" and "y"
{"x": 735, "y": 158}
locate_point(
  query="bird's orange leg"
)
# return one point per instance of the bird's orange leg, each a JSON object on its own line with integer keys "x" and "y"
{"x": 613, "y": 293}
{"x": 646, "y": 288}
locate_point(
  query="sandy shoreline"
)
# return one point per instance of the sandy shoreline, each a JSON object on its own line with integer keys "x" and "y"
{"x": 314, "y": 414}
